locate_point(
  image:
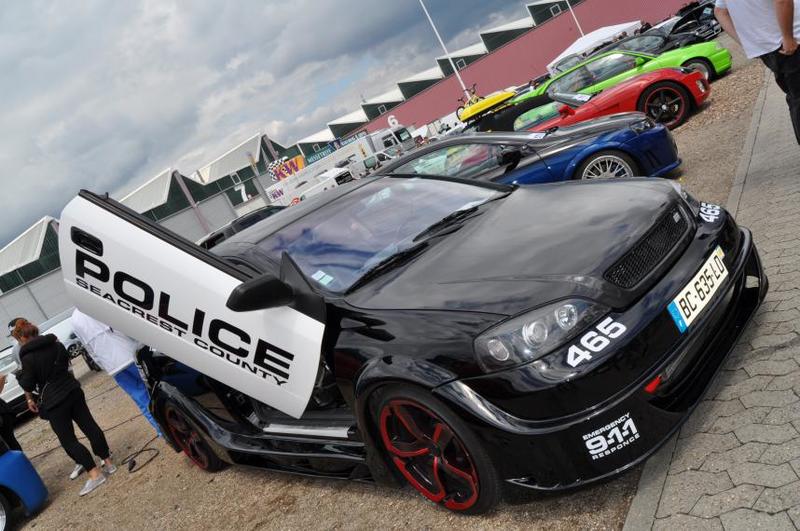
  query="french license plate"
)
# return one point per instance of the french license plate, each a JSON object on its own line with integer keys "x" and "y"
{"x": 696, "y": 295}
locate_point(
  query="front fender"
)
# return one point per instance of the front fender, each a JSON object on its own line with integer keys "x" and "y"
{"x": 379, "y": 371}
{"x": 18, "y": 476}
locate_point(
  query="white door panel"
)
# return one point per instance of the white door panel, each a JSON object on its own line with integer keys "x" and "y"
{"x": 11, "y": 390}
{"x": 174, "y": 301}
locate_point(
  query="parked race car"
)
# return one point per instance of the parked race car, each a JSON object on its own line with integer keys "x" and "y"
{"x": 696, "y": 19}
{"x": 653, "y": 42}
{"x": 455, "y": 337}
{"x": 611, "y": 68}
{"x": 668, "y": 96}
{"x": 623, "y": 145}
{"x": 21, "y": 488}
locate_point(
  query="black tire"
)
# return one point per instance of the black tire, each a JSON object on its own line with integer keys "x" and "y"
{"x": 73, "y": 351}
{"x": 462, "y": 470}
{"x": 704, "y": 65}
{"x": 93, "y": 366}
{"x": 666, "y": 87}
{"x": 6, "y": 518}
{"x": 594, "y": 157}
{"x": 190, "y": 440}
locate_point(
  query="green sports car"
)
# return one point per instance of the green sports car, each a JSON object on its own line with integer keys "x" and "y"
{"x": 606, "y": 70}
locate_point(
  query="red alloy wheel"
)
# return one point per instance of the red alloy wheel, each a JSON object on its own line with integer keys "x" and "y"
{"x": 187, "y": 438}
{"x": 666, "y": 105}
{"x": 429, "y": 454}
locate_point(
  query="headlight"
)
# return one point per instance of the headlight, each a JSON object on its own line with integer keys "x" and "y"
{"x": 690, "y": 201}
{"x": 530, "y": 336}
{"x": 679, "y": 190}
{"x": 701, "y": 86}
{"x": 645, "y": 124}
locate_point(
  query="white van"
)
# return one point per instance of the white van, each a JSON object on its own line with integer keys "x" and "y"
{"x": 12, "y": 393}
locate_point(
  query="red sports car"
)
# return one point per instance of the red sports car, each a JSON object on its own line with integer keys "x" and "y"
{"x": 667, "y": 96}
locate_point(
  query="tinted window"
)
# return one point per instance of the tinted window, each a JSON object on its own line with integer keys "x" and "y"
{"x": 610, "y": 66}
{"x": 336, "y": 244}
{"x": 574, "y": 81}
{"x": 644, "y": 44}
{"x": 536, "y": 116}
{"x": 566, "y": 64}
{"x": 463, "y": 160}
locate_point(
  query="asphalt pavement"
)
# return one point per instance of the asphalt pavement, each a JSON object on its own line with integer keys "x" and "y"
{"x": 736, "y": 462}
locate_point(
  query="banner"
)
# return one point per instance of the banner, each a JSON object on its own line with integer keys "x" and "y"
{"x": 280, "y": 170}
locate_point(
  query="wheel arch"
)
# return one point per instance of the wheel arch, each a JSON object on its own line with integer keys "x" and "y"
{"x": 378, "y": 374}
{"x": 672, "y": 82}
{"x": 712, "y": 69}
{"x": 593, "y": 149}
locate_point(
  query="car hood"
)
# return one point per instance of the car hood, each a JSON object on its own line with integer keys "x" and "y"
{"x": 677, "y": 56}
{"x": 594, "y": 127}
{"x": 537, "y": 245}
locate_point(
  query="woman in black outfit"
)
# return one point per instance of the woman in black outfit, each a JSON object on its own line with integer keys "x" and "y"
{"x": 7, "y": 419}
{"x": 45, "y": 365}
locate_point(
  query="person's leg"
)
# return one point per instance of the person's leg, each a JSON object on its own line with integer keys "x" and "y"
{"x": 83, "y": 418}
{"x": 787, "y": 76}
{"x": 791, "y": 82}
{"x": 131, "y": 382}
{"x": 7, "y": 432}
{"x": 60, "y": 419}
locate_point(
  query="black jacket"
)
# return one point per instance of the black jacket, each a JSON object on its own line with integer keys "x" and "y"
{"x": 45, "y": 364}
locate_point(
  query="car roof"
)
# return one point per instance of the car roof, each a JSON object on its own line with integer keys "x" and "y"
{"x": 471, "y": 137}
{"x": 595, "y": 57}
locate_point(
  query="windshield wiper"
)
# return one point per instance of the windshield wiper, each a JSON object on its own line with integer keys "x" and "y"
{"x": 447, "y": 221}
{"x": 388, "y": 263}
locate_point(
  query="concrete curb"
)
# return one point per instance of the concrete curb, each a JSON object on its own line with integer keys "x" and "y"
{"x": 742, "y": 170}
{"x": 642, "y": 512}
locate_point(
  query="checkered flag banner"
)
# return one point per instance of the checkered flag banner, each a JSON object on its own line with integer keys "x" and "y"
{"x": 272, "y": 166}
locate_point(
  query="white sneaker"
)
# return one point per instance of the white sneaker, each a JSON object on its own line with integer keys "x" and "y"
{"x": 77, "y": 471}
{"x": 92, "y": 484}
{"x": 108, "y": 470}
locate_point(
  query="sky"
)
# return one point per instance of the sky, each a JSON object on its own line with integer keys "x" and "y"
{"x": 104, "y": 95}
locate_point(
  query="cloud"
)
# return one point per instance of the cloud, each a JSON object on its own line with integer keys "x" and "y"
{"x": 103, "y": 95}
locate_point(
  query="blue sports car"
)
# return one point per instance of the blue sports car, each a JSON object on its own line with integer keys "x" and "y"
{"x": 20, "y": 486}
{"x": 621, "y": 145}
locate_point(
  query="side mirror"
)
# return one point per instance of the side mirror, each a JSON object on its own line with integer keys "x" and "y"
{"x": 566, "y": 111}
{"x": 260, "y": 293}
{"x": 509, "y": 157}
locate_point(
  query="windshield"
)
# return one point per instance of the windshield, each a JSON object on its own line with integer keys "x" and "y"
{"x": 403, "y": 135}
{"x": 337, "y": 244}
{"x": 537, "y": 116}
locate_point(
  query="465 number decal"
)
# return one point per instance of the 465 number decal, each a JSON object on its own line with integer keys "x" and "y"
{"x": 709, "y": 213}
{"x": 594, "y": 341}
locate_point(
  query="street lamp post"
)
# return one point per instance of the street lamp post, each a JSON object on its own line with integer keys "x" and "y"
{"x": 572, "y": 11}
{"x": 446, "y": 53}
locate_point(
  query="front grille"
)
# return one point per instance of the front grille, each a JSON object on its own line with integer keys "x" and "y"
{"x": 649, "y": 251}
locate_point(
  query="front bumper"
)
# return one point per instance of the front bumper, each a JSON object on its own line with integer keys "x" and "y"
{"x": 722, "y": 61}
{"x": 699, "y": 95}
{"x": 553, "y": 454}
{"x": 655, "y": 150}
